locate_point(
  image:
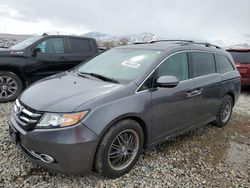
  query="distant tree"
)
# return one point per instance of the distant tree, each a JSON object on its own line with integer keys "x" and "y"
{"x": 109, "y": 44}
{"x": 124, "y": 41}
{"x": 113, "y": 43}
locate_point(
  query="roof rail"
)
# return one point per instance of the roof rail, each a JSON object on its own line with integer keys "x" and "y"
{"x": 207, "y": 44}
{"x": 140, "y": 43}
{"x": 177, "y": 40}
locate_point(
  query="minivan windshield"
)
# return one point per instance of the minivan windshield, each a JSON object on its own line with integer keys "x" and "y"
{"x": 120, "y": 64}
{"x": 25, "y": 43}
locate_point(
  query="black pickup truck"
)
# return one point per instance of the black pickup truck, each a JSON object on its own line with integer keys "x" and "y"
{"x": 39, "y": 57}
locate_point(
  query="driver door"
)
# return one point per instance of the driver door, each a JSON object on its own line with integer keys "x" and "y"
{"x": 49, "y": 58}
{"x": 173, "y": 107}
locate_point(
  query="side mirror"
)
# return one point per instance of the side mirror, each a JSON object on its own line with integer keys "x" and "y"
{"x": 35, "y": 51}
{"x": 167, "y": 81}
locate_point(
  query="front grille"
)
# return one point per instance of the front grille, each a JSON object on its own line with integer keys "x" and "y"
{"x": 25, "y": 116}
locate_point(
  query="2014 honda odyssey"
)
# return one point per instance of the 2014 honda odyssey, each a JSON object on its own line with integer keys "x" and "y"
{"x": 102, "y": 114}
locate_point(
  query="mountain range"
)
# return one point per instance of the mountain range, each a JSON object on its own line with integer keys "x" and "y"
{"x": 132, "y": 38}
{"x": 7, "y": 40}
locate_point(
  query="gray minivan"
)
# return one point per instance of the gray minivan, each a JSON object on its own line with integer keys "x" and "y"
{"x": 105, "y": 112}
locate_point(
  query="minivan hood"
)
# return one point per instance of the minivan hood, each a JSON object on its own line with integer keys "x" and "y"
{"x": 64, "y": 92}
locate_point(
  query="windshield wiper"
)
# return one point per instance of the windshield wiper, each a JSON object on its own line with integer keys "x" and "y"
{"x": 101, "y": 77}
{"x": 82, "y": 74}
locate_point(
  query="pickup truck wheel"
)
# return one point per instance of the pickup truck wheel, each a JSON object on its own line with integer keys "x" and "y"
{"x": 10, "y": 86}
{"x": 224, "y": 112}
{"x": 119, "y": 149}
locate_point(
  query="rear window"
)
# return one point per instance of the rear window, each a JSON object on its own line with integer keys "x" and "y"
{"x": 243, "y": 57}
{"x": 203, "y": 63}
{"x": 79, "y": 45}
{"x": 224, "y": 65}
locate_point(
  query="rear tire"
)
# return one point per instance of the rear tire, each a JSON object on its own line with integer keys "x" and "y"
{"x": 119, "y": 149}
{"x": 225, "y": 111}
{"x": 10, "y": 86}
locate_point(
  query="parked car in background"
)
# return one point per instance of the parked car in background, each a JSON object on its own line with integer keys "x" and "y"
{"x": 242, "y": 60}
{"x": 39, "y": 57}
{"x": 103, "y": 113}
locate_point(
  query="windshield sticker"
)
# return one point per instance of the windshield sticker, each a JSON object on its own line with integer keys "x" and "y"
{"x": 133, "y": 62}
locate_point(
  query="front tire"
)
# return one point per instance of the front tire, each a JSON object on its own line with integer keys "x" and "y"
{"x": 10, "y": 86}
{"x": 119, "y": 149}
{"x": 225, "y": 111}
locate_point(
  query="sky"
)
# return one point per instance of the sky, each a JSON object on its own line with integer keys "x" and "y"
{"x": 189, "y": 19}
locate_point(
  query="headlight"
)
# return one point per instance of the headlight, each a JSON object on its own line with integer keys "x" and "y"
{"x": 53, "y": 120}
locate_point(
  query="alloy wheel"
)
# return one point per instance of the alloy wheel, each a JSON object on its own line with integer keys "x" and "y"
{"x": 8, "y": 87}
{"x": 123, "y": 149}
{"x": 226, "y": 111}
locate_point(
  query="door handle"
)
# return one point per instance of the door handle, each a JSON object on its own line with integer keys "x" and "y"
{"x": 194, "y": 92}
{"x": 189, "y": 93}
{"x": 197, "y": 92}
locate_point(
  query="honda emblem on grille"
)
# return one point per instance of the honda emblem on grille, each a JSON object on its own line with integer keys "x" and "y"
{"x": 19, "y": 110}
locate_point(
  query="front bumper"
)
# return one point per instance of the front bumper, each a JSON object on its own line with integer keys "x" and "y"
{"x": 72, "y": 148}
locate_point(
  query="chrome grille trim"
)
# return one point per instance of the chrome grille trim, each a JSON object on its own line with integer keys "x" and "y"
{"x": 25, "y": 111}
{"x": 27, "y": 120}
{"x": 15, "y": 108}
{"x": 25, "y": 116}
{"x": 18, "y": 103}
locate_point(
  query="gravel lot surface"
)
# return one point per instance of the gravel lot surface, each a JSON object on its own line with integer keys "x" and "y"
{"x": 208, "y": 157}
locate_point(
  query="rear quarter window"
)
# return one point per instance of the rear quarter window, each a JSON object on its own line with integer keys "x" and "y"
{"x": 203, "y": 63}
{"x": 79, "y": 45}
{"x": 223, "y": 64}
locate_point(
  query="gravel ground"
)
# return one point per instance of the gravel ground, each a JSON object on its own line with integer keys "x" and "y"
{"x": 208, "y": 157}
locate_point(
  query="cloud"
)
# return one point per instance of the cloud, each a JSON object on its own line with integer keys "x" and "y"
{"x": 6, "y": 11}
{"x": 169, "y": 18}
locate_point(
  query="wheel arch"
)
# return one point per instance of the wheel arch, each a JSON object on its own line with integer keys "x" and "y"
{"x": 134, "y": 117}
{"x": 231, "y": 94}
{"x": 16, "y": 71}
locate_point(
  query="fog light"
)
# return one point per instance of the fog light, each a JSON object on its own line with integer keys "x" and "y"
{"x": 46, "y": 158}
{"x": 43, "y": 157}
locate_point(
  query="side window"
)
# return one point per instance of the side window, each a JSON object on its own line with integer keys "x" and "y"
{"x": 51, "y": 46}
{"x": 223, "y": 64}
{"x": 79, "y": 45}
{"x": 175, "y": 65}
{"x": 203, "y": 63}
